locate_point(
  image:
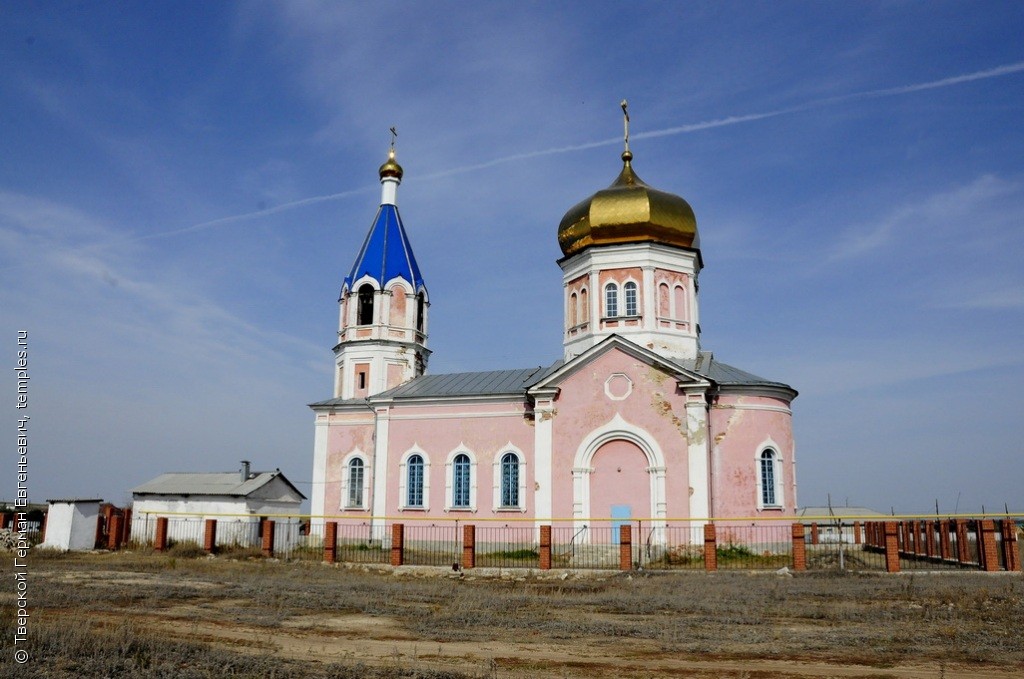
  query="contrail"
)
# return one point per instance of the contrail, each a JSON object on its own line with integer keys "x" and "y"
{"x": 996, "y": 72}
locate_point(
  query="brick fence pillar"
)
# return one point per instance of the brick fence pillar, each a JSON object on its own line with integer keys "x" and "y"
{"x": 101, "y": 530}
{"x": 330, "y": 541}
{"x": 799, "y": 548}
{"x": 268, "y": 537}
{"x": 929, "y": 538}
{"x": 856, "y": 533}
{"x": 944, "y": 546}
{"x": 210, "y": 536}
{"x": 127, "y": 531}
{"x": 160, "y": 543}
{"x": 545, "y": 548}
{"x": 710, "y": 547}
{"x": 6, "y": 519}
{"x": 962, "y": 552}
{"x": 114, "y": 532}
{"x": 814, "y": 533}
{"x": 1010, "y": 553}
{"x": 397, "y": 544}
{"x": 987, "y": 551}
{"x": 892, "y": 547}
{"x": 625, "y": 547}
{"x": 469, "y": 546}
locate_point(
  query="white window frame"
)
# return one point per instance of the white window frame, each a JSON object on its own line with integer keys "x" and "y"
{"x": 449, "y": 480}
{"x": 625, "y": 299}
{"x": 346, "y": 470}
{"x": 613, "y": 288}
{"x": 403, "y": 481}
{"x": 778, "y": 486}
{"x": 497, "y": 476}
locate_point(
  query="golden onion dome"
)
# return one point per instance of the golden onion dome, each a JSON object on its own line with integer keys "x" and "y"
{"x": 390, "y": 168}
{"x": 628, "y": 211}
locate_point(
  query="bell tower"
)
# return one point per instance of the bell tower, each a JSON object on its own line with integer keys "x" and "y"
{"x": 382, "y": 328}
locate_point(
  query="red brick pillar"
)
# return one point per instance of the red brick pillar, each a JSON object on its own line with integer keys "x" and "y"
{"x": 331, "y": 541}
{"x": 210, "y": 536}
{"x": 469, "y": 546}
{"x": 987, "y": 545}
{"x": 268, "y": 537}
{"x": 892, "y": 547}
{"x": 856, "y": 533}
{"x": 929, "y": 538}
{"x": 814, "y": 533}
{"x": 160, "y": 543}
{"x": 114, "y": 532}
{"x": 799, "y": 548}
{"x": 962, "y": 552}
{"x": 944, "y": 546}
{"x": 397, "y": 544}
{"x": 545, "y": 548}
{"x": 127, "y": 537}
{"x": 6, "y": 519}
{"x": 710, "y": 547}
{"x": 1010, "y": 553}
{"x": 101, "y": 529}
{"x": 625, "y": 547}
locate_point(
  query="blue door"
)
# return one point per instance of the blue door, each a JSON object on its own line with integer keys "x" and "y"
{"x": 621, "y": 514}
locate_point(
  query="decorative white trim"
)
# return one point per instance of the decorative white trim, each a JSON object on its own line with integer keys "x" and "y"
{"x": 697, "y": 453}
{"x": 346, "y": 481}
{"x": 403, "y": 480}
{"x": 779, "y": 484}
{"x": 608, "y": 389}
{"x": 321, "y": 430}
{"x": 496, "y": 477}
{"x": 752, "y": 406}
{"x": 449, "y": 489}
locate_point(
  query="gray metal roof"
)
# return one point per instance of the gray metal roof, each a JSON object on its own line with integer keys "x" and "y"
{"x": 724, "y": 374}
{"x": 490, "y": 383}
{"x": 209, "y": 483}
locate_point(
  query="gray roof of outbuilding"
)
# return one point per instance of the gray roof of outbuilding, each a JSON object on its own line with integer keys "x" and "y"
{"x": 206, "y": 483}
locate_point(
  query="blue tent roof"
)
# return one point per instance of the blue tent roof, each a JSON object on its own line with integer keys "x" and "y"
{"x": 386, "y": 253}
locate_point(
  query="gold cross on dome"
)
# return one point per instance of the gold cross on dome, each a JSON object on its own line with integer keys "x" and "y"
{"x": 625, "y": 121}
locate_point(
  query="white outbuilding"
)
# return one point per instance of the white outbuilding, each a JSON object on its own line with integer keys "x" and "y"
{"x": 71, "y": 524}
{"x": 237, "y": 500}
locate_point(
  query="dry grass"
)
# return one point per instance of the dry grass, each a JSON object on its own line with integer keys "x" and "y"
{"x": 98, "y": 615}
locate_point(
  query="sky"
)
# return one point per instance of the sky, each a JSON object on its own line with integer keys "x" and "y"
{"x": 184, "y": 185}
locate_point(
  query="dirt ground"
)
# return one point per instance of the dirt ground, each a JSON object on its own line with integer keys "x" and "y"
{"x": 435, "y": 623}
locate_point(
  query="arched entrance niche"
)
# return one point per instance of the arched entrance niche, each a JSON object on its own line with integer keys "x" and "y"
{"x": 618, "y": 465}
{"x": 620, "y": 485}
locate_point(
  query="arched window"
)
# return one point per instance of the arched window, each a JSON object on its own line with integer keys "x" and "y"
{"x": 460, "y": 481}
{"x": 611, "y": 300}
{"x": 769, "y": 472}
{"x": 355, "y": 482}
{"x": 629, "y": 292}
{"x": 414, "y": 482}
{"x": 419, "y": 312}
{"x": 679, "y": 300}
{"x": 572, "y": 310}
{"x": 584, "y": 306}
{"x": 509, "y": 480}
{"x": 365, "y": 309}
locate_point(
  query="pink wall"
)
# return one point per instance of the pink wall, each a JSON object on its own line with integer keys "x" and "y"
{"x": 737, "y": 436}
{"x": 459, "y": 425}
{"x": 582, "y": 407}
{"x": 620, "y": 478}
{"x": 357, "y": 433}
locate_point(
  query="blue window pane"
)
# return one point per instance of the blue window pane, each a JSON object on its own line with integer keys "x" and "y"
{"x": 509, "y": 480}
{"x": 414, "y": 485}
{"x": 355, "y": 483}
{"x": 768, "y": 478}
{"x": 460, "y": 481}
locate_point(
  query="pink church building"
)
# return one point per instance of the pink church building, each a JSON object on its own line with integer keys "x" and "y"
{"x": 634, "y": 421}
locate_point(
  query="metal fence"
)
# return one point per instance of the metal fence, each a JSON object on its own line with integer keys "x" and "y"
{"x": 602, "y": 544}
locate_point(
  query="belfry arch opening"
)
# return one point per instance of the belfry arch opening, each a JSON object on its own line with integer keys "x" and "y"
{"x": 364, "y": 309}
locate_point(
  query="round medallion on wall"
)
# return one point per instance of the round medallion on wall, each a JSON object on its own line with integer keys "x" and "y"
{"x": 618, "y": 386}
